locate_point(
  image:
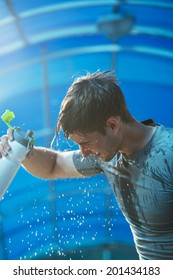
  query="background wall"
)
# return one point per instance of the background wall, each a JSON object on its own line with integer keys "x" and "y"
{"x": 44, "y": 45}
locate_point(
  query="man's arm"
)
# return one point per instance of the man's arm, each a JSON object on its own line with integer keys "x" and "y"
{"x": 43, "y": 162}
{"x": 50, "y": 164}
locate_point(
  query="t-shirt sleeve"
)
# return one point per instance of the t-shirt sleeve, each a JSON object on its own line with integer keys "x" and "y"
{"x": 86, "y": 166}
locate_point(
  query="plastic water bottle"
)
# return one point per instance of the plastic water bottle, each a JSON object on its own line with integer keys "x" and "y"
{"x": 20, "y": 146}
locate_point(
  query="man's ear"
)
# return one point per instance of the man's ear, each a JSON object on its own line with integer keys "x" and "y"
{"x": 113, "y": 124}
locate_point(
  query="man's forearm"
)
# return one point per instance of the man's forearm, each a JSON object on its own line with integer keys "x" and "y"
{"x": 40, "y": 162}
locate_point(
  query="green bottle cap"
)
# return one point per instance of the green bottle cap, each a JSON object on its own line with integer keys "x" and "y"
{"x": 7, "y": 117}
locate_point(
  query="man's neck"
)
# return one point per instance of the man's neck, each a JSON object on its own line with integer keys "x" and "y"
{"x": 135, "y": 136}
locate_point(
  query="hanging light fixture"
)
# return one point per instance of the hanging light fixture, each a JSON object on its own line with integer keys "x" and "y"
{"x": 116, "y": 24}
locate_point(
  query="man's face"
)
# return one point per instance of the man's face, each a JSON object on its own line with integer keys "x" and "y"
{"x": 103, "y": 146}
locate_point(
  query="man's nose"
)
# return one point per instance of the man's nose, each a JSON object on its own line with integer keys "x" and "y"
{"x": 85, "y": 151}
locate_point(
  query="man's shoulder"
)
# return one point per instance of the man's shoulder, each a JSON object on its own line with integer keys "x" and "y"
{"x": 165, "y": 133}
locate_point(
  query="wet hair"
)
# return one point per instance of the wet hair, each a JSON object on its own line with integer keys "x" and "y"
{"x": 90, "y": 101}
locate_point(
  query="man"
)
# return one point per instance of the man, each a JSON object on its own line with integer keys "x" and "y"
{"x": 136, "y": 157}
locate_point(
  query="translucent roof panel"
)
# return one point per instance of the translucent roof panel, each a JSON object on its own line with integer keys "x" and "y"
{"x": 44, "y": 46}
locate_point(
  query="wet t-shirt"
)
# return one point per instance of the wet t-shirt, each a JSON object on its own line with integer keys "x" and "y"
{"x": 143, "y": 186}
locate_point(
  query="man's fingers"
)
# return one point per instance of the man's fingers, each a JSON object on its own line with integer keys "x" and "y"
{"x": 4, "y": 145}
{"x": 4, "y": 140}
{"x": 10, "y": 133}
{"x": 1, "y": 149}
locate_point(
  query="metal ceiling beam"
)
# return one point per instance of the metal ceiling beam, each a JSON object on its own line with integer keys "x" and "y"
{"x": 82, "y": 4}
{"x": 109, "y": 48}
{"x": 79, "y": 4}
{"x": 65, "y": 6}
{"x": 82, "y": 31}
{"x": 16, "y": 22}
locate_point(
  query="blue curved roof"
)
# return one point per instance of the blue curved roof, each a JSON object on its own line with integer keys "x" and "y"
{"x": 44, "y": 45}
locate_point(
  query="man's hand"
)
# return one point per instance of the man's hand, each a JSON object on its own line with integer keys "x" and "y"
{"x": 4, "y": 142}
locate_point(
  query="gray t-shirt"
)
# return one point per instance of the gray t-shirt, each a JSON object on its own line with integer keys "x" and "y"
{"x": 143, "y": 186}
